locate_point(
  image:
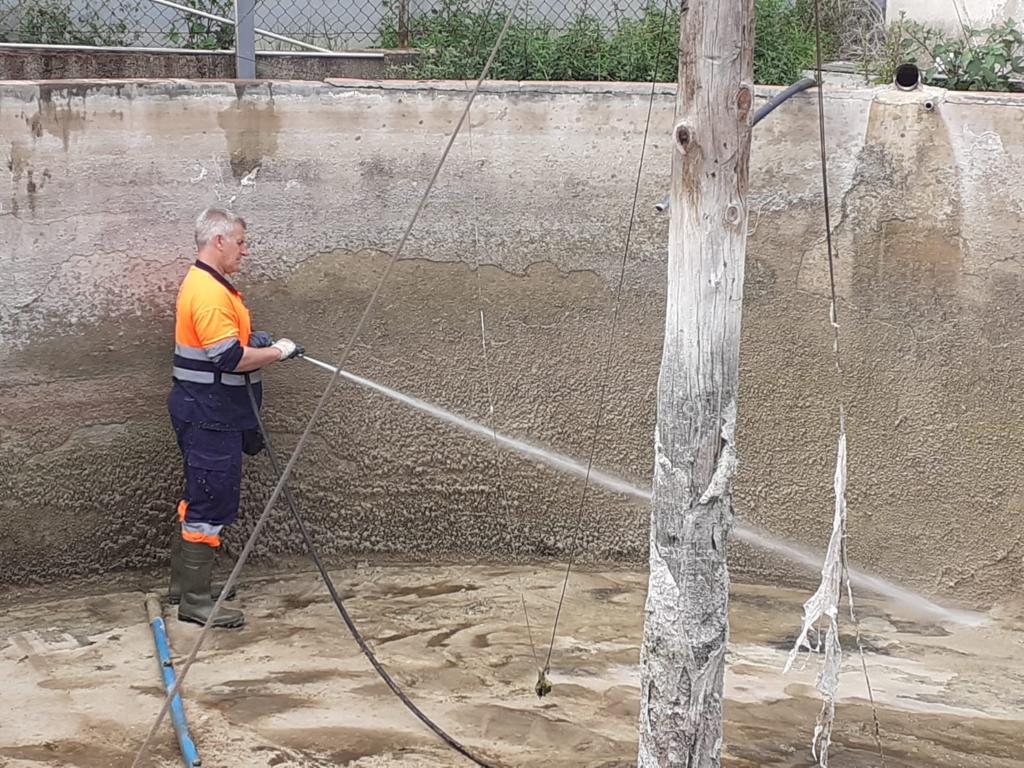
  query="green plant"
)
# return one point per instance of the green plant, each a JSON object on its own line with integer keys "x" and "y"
{"x": 55, "y": 22}
{"x": 990, "y": 59}
{"x": 206, "y": 34}
{"x": 893, "y": 47}
{"x": 987, "y": 59}
{"x": 784, "y": 40}
{"x": 641, "y": 46}
{"x": 455, "y": 39}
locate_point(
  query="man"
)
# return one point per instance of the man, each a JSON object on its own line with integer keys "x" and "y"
{"x": 215, "y": 352}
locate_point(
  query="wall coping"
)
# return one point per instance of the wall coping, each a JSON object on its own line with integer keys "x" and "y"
{"x": 30, "y": 90}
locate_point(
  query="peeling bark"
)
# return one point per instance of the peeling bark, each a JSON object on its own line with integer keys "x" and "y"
{"x": 686, "y": 622}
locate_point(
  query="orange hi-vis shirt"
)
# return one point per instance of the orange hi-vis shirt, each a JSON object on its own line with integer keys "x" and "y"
{"x": 211, "y": 327}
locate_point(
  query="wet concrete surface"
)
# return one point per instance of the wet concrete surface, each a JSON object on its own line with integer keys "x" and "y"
{"x": 81, "y": 686}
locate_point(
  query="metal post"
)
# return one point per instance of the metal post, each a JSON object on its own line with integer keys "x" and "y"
{"x": 224, "y": 20}
{"x": 245, "y": 39}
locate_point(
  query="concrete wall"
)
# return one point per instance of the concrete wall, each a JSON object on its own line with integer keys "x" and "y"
{"x": 104, "y": 179}
{"x": 19, "y": 62}
{"x": 944, "y": 14}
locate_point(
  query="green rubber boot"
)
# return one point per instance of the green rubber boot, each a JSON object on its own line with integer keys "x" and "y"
{"x": 174, "y": 589}
{"x": 196, "y": 603}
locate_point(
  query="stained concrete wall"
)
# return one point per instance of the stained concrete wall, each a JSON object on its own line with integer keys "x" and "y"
{"x": 19, "y": 62}
{"x": 103, "y": 181}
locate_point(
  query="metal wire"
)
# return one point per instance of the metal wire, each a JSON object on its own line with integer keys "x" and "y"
{"x": 965, "y": 27}
{"x": 261, "y": 521}
{"x": 606, "y": 368}
{"x": 502, "y": 496}
{"x": 837, "y": 353}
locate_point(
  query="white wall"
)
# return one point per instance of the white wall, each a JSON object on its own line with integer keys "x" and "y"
{"x": 944, "y": 12}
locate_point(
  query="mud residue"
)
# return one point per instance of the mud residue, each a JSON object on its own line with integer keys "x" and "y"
{"x": 60, "y": 120}
{"x": 68, "y": 752}
{"x": 897, "y": 240}
{"x": 292, "y": 685}
{"x": 343, "y": 745}
{"x": 18, "y": 160}
{"x": 248, "y": 705}
{"x": 251, "y": 131}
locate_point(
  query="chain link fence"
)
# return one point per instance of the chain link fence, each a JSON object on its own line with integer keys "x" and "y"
{"x": 597, "y": 40}
{"x": 332, "y": 24}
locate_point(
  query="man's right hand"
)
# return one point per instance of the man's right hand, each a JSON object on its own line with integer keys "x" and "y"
{"x": 288, "y": 348}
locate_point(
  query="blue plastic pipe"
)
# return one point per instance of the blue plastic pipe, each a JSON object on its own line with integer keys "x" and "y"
{"x": 189, "y": 753}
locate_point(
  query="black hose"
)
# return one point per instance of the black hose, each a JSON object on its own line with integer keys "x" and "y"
{"x": 798, "y": 87}
{"x": 782, "y": 96}
{"x": 352, "y": 628}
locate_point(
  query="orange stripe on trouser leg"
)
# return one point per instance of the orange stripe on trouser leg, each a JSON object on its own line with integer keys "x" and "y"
{"x": 182, "y": 509}
{"x": 201, "y": 538}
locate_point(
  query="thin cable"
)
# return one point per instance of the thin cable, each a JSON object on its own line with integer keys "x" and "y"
{"x": 965, "y": 28}
{"x": 502, "y": 499}
{"x": 611, "y": 347}
{"x": 834, "y": 322}
{"x": 502, "y": 487}
{"x": 960, "y": 19}
{"x": 339, "y": 603}
{"x": 233, "y": 576}
{"x": 833, "y": 309}
{"x": 876, "y": 726}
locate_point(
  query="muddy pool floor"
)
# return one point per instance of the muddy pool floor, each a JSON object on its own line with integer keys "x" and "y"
{"x": 80, "y": 685}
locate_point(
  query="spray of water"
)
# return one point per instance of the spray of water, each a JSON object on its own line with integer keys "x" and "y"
{"x": 742, "y": 532}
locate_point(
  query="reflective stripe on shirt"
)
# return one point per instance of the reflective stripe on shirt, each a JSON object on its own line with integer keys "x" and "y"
{"x": 207, "y": 377}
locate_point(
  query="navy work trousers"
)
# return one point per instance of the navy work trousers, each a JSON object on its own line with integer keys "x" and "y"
{"x": 213, "y": 478}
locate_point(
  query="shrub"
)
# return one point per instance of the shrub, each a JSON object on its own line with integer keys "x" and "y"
{"x": 456, "y": 39}
{"x": 784, "y": 43}
{"x": 55, "y": 22}
{"x": 989, "y": 59}
{"x": 206, "y": 34}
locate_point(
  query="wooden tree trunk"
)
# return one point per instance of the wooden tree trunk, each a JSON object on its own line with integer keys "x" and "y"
{"x": 686, "y": 626}
{"x": 403, "y": 23}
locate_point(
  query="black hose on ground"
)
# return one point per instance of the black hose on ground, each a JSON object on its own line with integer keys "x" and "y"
{"x": 340, "y": 605}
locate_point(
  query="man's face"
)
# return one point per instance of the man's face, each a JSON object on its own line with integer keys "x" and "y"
{"x": 232, "y": 249}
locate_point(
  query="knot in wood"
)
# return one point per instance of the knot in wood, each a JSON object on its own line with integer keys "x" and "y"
{"x": 744, "y": 98}
{"x": 732, "y": 214}
{"x": 683, "y": 135}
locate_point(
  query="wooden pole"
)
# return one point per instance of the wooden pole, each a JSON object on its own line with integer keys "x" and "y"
{"x": 686, "y": 627}
{"x": 403, "y": 23}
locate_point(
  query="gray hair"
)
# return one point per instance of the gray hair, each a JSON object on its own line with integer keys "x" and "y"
{"x": 216, "y": 221}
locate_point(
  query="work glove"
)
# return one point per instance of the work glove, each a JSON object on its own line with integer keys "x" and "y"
{"x": 288, "y": 348}
{"x": 260, "y": 339}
